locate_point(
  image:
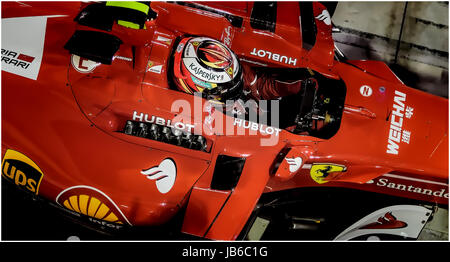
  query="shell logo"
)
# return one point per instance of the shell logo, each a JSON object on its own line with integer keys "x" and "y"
{"x": 91, "y": 202}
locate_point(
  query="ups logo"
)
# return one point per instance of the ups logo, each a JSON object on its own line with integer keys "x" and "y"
{"x": 22, "y": 171}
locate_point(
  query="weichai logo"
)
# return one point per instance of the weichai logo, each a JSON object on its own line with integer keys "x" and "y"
{"x": 22, "y": 171}
{"x": 16, "y": 59}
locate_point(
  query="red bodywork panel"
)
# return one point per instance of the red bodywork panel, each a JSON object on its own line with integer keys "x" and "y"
{"x": 66, "y": 122}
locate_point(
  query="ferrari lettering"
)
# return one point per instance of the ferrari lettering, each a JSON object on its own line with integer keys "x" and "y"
{"x": 161, "y": 121}
{"x": 227, "y": 36}
{"x": 395, "y": 130}
{"x": 274, "y": 56}
{"x": 16, "y": 59}
{"x": 384, "y": 182}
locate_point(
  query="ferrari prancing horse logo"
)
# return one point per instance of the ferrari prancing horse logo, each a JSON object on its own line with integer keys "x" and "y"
{"x": 319, "y": 172}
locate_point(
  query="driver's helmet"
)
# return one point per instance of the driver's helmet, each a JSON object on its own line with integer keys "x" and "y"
{"x": 205, "y": 65}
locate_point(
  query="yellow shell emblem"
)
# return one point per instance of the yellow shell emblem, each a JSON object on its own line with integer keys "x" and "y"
{"x": 91, "y": 202}
{"x": 92, "y": 207}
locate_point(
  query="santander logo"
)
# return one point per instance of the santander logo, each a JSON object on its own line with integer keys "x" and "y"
{"x": 164, "y": 175}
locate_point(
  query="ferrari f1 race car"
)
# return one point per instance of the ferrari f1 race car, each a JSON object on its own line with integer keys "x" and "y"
{"x": 214, "y": 120}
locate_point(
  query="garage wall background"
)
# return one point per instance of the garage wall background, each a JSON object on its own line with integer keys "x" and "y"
{"x": 411, "y": 37}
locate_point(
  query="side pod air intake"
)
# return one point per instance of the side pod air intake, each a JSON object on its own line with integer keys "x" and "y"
{"x": 227, "y": 172}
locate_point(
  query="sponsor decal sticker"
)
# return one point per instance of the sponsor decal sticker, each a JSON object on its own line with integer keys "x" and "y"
{"x": 290, "y": 165}
{"x": 324, "y": 17}
{"x": 203, "y": 84}
{"x": 83, "y": 65}
{"x": 397, "y": 133}
{"x": 227, "y": 36}
{"x": 180, "y": 47}
{"x": 161, "y": 121}
{"x": 274, "y": 56}
{"x": 365, "y": 90}
{"x": 263, "y": 129}
{"x": 294, "y": 163}
{"x": 128, "y": 59}
{"x": 164, "y": 175}
{"x": 205, "y": 75}
{"x": 23, "y": 45}
{"x": 12, "y": 58}
{"x": 22, "y": 171}
{"x": 414, "y": 186}
{"x": 163, "y": 39}
{"x": 93, "y": 203}
{"x": 154, "y": 68}
{"x": 319, "y": 172}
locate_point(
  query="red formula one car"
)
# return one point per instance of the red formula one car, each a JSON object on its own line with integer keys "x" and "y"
{"x": 220, "y": 120}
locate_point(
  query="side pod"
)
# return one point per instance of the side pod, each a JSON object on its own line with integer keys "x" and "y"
{"x": 221, "y": 214}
